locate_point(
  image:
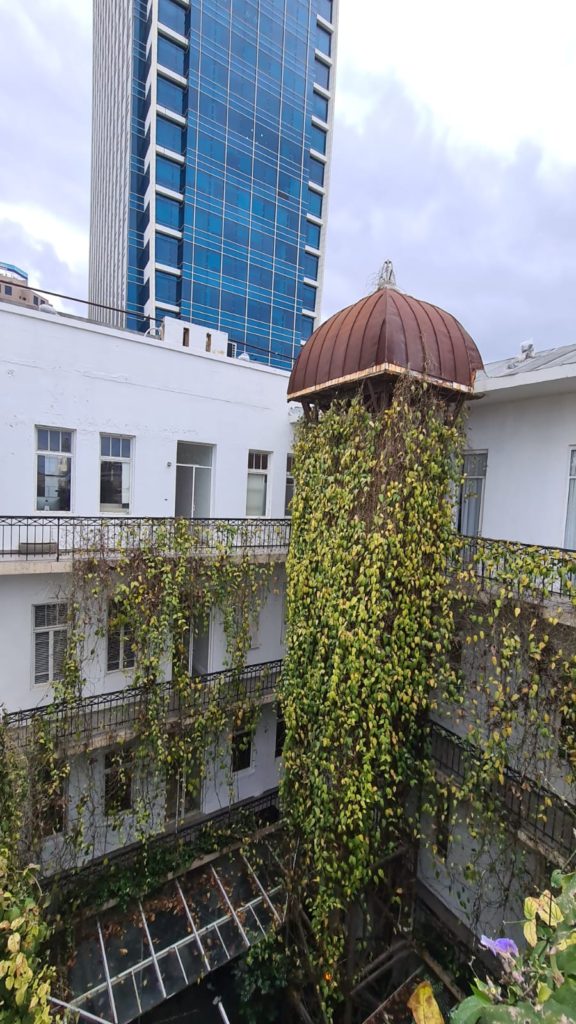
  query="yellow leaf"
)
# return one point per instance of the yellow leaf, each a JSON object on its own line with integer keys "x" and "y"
{"x": 544, "y": 992}
{"x": 14, "y": 942}
{"x": 548, "y": 910}
{"x": 530, "y": 932}
{"x": 425, "y": 1009}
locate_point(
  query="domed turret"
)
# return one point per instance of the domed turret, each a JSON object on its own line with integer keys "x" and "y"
{"x": 379, "y": 338}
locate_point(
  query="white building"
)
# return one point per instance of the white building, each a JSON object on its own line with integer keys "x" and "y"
{"x": 105, "y": 430}
{"x": 521, "y": 440}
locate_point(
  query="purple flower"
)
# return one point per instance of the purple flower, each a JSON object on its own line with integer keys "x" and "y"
{"x": 500, "y": 947}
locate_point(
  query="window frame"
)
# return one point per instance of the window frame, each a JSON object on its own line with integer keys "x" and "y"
{"x": 107, "y": 508}
{"x": 280, "y": 733}
{"x": 238, "y": 752}
{"x": 45, "y": 452}
{"x": 571, "y": 476}
{"x": 289, "y": 484}
{"x": 182, "y": 794}
{"x": 125, "y": 754}
{"x": 472, "y": 452}
{"x": 51, "y": 630}
{"x": 124, "y": 642}
{"x": 255, "y": 470}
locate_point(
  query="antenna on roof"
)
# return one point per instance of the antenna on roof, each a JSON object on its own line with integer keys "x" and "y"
{"x": 386, "y": 276}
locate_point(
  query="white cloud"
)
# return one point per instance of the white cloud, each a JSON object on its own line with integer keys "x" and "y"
{"x": 493, "y": 74}
{"x": 68, "y": 241}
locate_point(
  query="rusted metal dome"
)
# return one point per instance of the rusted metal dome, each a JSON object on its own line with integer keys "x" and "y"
{"x": 380, "y": 337}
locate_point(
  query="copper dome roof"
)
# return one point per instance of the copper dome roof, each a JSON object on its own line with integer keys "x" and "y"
{"x": 383, "y": 335}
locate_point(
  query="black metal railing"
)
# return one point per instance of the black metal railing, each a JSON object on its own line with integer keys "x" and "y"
{"x": 523, "y": 569}
{"x": 259, "y": 811}
{"x": 109, "y": 714}
{"x": 527, "y": 806}
{"x": 57, "y": 537}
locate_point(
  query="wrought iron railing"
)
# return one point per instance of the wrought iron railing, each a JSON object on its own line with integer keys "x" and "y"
{"x": 60, "y": 537}
{"x": 529, "y": 807}
{"x": 87, "y": 719}
{"x": 523, "y": 569}
{"x": 259, "y": 811}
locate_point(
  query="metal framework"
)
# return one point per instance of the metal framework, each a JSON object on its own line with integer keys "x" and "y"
{"x": 127, "y": 962}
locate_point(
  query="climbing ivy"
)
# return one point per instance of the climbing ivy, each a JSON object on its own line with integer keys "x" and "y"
{"x": 25, "y": 979}
{"x": 370, "y": 628}
{"x": 159, "y": 587}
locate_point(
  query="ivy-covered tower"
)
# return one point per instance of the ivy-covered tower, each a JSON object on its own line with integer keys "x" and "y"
{"x": 370, "y": 631}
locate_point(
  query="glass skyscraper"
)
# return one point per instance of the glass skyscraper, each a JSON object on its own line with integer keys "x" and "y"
{"x": 210, "y": 164}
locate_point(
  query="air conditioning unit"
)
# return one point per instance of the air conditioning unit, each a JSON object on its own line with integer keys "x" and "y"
{"x": 231, "y": 349}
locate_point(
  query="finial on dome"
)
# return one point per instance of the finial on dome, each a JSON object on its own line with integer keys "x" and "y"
{"x": 386, "y": 276}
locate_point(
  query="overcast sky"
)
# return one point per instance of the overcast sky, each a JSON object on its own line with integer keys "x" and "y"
{"x": 454, "y": 155}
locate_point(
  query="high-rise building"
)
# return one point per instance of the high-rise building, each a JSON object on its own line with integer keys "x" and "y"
{"x": 210, "y": 165}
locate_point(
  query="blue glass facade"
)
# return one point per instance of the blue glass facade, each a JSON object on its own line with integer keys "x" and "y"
{"x": 231, "y": 86}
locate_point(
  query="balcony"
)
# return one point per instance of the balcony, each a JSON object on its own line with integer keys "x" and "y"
{"x": 92, "y": 722}
{"x": 36, "y": 541}
{"x": 509, "y": 564}
{"x": 538, "y": 813}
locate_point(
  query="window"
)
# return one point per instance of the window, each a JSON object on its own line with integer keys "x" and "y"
{"x": 323, "y": 40}
{"x": 8, "y": 289}
{"x": 308, "y": 297}
{"x": 50, "y": 641}
{"x": 169, "y": 173}
{"x": 172, "y": 15}
{"x": 289, "y": 493}
{"x": 280, "y": 733}
{"x": 115, "y": 457}
{"x": 118, "y": 778}
{"x": 310, "y": 264}
{"x": 316, "y": 171}
{"x": 183, "y": 790}
{"x": 313, "y": 235}
{"x": 320, "y": 106}
{"x": 567, "y": 735}
{"x": 442, "y": 823}
{"x": 54, "y": 469}
{"x": 570, "y": 532}
{"x": 171, "y": 56}
{"x": 167, "y": 288}
{"x": 52, "y": 803}
{"x": 314, "y": 206}
{"x": 170, "y": 96}
{"x": 167, "y": 250}
{"x": 472, "y": 493}
{"x": 321, "y": 74}
{"x": 168, "y": 212}
{"x": 169, "y": 135}
{"x": 257, "y": 489}
{"x": 241, "y": 751}
{"x": 120, "y": 653}
{"x": 318, "y": 139}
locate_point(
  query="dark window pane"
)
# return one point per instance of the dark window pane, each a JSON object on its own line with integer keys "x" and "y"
{"x": 169, "y": 173}
{"x": 169, "y": 135}
{"x": 171, "y": 56}
{"x": 173, "y": 15}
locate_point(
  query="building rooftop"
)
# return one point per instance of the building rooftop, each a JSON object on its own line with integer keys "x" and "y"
{"x": 528, "y": 361}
